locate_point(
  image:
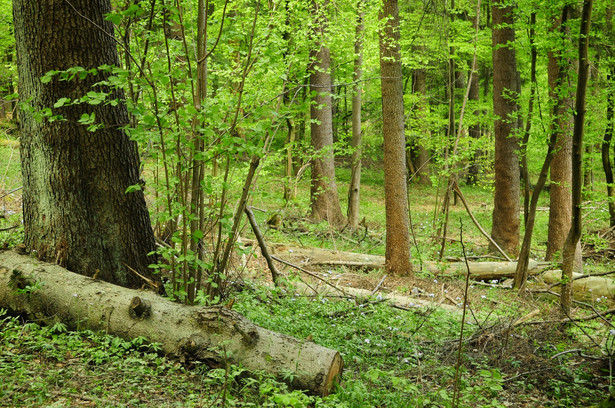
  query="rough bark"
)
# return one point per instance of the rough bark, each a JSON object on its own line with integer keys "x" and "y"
{"x": 216, "y": 335}
{"x": 395, "y": 188}
{"x": 76, "y": 209}
{"x": 323, "y": 192}
{"x": 355, "y": 177}
{"x": 506, "y": 224}
{"x": 556, "y": 137}
{"x": 560, "y": 214}
{"x": 572, "y": 241}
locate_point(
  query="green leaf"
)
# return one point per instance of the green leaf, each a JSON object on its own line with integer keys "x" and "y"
{"x": 114, "y": 18}
{"x": 61, "y": 102}
{"x": 48, "y": 76}
{"x": 133, "y": 188}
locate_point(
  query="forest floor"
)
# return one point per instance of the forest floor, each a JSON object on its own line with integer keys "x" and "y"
{"x": 396, "y": 353}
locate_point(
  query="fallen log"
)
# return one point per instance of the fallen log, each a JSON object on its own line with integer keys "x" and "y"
{"x": 48, "y": 293}
{"x": 328, "y": 257}
{"x": 584, "y": 287}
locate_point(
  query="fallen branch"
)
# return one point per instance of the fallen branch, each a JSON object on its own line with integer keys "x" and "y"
{"x": 308, "y": 273}
{"x": 573, "y": 319}
{"x": 475, "y": 221}
{"x": 379, "y": 284}
{"x": 263, "y": 246}
{"x": 10, "y": 192}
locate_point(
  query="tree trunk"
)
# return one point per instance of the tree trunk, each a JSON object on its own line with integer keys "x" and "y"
{"x": 395, "y": 187}
{"x": 561, "y": 167}
{"x": 474, "y": 130}
{"x": 355, "y": 178}
{"x": 76, "y": 209}
{"x": 420, "y": 153}
{"x": 324, "y": 197}
{"x": 505, "y": 230}
{"x": 525, "y": 173}
{"x": 216, "y": 335}
{"x": 574, "y": 235}
{"x": 606, "y": 151}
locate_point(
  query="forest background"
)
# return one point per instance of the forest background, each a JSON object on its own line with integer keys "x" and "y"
{"x": 230, "y": 100}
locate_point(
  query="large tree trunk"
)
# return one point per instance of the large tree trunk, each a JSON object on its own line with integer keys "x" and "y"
{"x": 324, "y": 197}
{"x": 560, "y": 211}
{"x": 505, "y": 230}
{"x": 215, "y": 335}
{"x": 355, "y": 178}
{"x": 76, "y": 209}
{"x": 572, "y": 241}
{"x": 395, "y": 187}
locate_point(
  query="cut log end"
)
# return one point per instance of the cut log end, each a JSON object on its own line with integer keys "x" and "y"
{"x": 334, "y": 376}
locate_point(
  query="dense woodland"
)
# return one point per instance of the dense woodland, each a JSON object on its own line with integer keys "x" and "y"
{"x": 412, "y": 134}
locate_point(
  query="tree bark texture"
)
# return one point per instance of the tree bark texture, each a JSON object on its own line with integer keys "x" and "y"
{"x": 216, "y": 335}
{"x": 560, "y": 93}
{"x": 572, "y": 241}
{"x": 76, "y": 210}
{"x": 323, "y": 193}
{"x": 506, "y": 224}
{"x": 395, "y": 187}
{"x": 355, "y": 178}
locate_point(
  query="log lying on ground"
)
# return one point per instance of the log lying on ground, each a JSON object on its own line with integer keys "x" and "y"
{"x": 478, "y": 270}
{"x": 586, "y": 288}
{"x": 49, "y": 293}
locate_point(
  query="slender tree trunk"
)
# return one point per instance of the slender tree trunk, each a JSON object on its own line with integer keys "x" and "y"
{"x": 324, "y": 196}
{"x": 76, "y": 209}
{"x": 574, "y": 235}
{"x": 355, "y": 178}
{"x": 419, "y": 153}
{"x": 395, "y": 187}
{"x": 525, "y": 174}
{"x": 474, "y": 130}
{"x": 606, "y": 152}
{"x": 505, "y": 230}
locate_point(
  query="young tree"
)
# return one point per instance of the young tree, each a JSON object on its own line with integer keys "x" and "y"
{"x": 395, "y": 187}
{"x": 324, "y": 196}
{"x": 505, "y": 230}
{"x": 355, "y": 178}
{"x": 421, "y": 154}
{"x": 570, "y": 247}
{"x": 75, "y": 205}
{"x": 610, "y": 107}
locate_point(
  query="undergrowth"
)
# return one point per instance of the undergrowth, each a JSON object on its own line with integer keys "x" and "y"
{"x": 392, "y": 357}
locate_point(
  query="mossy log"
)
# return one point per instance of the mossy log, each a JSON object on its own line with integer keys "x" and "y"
{"x": 48, "y": 293}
